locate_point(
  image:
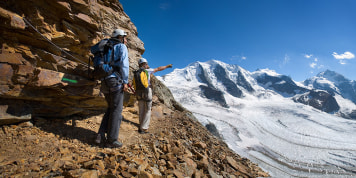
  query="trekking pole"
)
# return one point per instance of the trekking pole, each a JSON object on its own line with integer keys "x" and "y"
{"x": 133, "y": 90}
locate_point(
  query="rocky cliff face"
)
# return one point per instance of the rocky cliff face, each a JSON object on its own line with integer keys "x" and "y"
{"x": 318, "y": 99}
{"x": 44, "y": 54}
{"x": 281, "y": 84}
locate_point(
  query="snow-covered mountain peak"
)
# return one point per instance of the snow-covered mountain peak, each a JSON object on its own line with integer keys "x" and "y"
{"x": 219, "y": 82}
{"x": 332, "y": 76}
{"x": 327, "y": 78}
{"x": 333, "y": 83}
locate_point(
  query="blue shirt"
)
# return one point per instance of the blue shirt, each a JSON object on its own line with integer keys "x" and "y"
{"x": 121, "y": 61}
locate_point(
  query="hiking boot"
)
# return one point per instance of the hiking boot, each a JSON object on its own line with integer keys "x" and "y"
{"x": 115, "y": 144}
{"x": 143, "y": 131}
{"x": 100, "y": 139}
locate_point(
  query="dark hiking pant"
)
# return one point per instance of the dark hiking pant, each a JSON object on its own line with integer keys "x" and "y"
{"x": 112, "y": 118}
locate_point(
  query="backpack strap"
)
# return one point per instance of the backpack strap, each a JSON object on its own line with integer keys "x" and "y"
{"x": 112, "y": 61}
{"x": 111, "y": 43}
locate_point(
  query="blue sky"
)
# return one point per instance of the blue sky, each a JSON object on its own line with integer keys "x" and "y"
{"x": 298, "y": 38}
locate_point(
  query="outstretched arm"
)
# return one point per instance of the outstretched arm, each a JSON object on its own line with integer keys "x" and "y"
{"x": 162, "y": 68}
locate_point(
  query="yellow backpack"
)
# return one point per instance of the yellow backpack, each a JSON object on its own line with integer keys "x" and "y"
{"x": 140, "y": 81}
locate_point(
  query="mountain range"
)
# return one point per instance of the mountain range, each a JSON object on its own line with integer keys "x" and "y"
{"x": 328, "y": 91}
{"x": 289, "y": 128}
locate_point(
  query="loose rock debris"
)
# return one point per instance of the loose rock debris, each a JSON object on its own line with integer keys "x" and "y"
{"x": 177, "y": 146}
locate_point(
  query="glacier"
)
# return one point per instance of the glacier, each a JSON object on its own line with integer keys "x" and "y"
{"x": 285, "y": 138}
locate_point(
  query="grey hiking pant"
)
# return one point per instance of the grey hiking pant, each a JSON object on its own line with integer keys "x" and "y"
{"x": 112, "y": 118}
{"x": 145, "y": 107}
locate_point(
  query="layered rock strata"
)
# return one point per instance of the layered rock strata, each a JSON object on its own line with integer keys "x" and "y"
{"x": 44, "y": 52}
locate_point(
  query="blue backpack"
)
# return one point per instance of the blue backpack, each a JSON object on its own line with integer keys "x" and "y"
{"x": 103, "y": 66}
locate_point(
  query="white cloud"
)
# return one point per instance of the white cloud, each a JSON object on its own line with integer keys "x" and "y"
{"x": 312, "y": 65}
{"x": 308, "y": 56}
{"x": 346, "y": 55}
{"x": 286, "y": 59}
{"x": 342, "y": 57}
{"x": 238, "y": 58}
{"x": 233, "y": 58}
{"x": 342, "y": 62}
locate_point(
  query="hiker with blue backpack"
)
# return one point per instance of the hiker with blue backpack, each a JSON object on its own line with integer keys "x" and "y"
{"x": 111, "y": 67}
{"x": 143, "y": 91}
